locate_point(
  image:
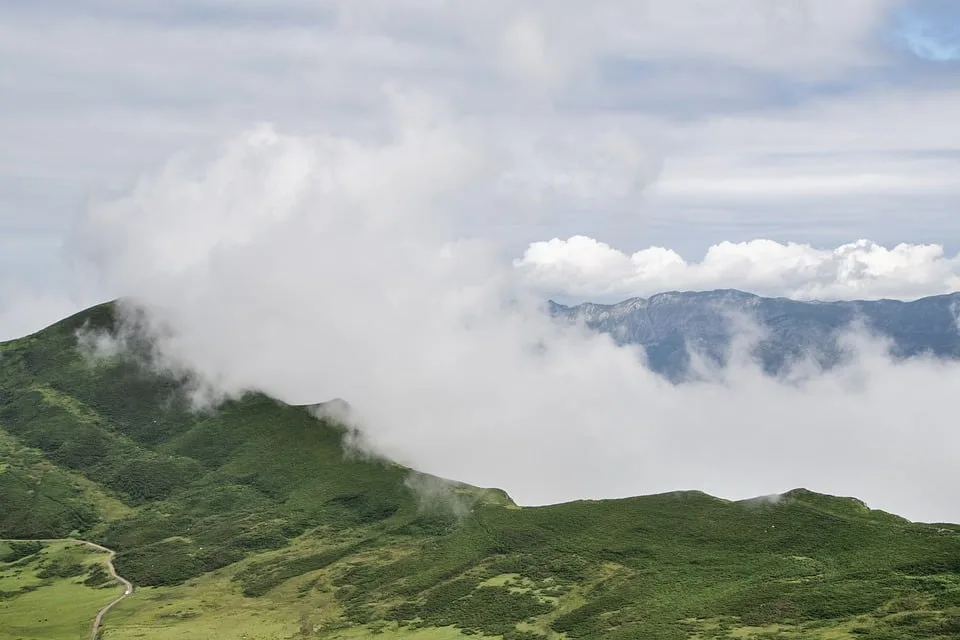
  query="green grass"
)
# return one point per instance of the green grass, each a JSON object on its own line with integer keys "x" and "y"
{"x": 251, "y": 522}
{"x": 38, "y": 604}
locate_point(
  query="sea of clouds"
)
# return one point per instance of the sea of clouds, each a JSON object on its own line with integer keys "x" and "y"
{"x": 329, "y": 266}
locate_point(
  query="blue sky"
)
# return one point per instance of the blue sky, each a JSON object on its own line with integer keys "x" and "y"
{"x": 930, "y": 30}
{"x": 806, "y": 121}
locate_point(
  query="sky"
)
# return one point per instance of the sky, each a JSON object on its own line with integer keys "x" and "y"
{"x": 634, "y": 124}
{"x": 369, "y": 199}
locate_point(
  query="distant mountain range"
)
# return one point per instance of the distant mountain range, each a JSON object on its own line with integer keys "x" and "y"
{"x": 672, "y": 325}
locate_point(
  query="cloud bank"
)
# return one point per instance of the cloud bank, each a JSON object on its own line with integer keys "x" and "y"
{"x": 332, "y": 266}
{"x": 583, "y": 268}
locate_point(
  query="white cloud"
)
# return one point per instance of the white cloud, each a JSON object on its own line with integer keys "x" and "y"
{"x": 353, "y": 263}
{"x": 329, "y": 267}
{"x": 584, "y": 268}
{"x": 842, "y": 149}
{"x": 725, "y": 99}
{"x": 162, "y": 74}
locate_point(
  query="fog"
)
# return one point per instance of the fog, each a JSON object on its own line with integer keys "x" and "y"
{"x": 325, "y": 267}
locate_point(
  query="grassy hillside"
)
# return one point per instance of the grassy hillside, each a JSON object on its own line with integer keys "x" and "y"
{"x": 51, "y": 591}
{"x": 251, "y": 522}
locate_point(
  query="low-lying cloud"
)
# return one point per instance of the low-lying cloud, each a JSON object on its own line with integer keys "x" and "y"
{"x": 325, "y": 267}
{"x": 584, "y": 268}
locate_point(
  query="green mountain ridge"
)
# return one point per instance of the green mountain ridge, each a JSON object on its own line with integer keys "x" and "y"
{"x": 253, "y": 521}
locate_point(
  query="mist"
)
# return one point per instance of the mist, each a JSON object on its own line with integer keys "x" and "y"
{"x": 338, "y": 266}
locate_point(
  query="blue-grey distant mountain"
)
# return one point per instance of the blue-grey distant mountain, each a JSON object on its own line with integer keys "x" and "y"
{"x": 670, "y": 325}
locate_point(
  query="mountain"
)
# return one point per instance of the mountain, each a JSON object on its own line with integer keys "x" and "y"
{"x": 255, "y": 520}
{"x": 671, "y": 325}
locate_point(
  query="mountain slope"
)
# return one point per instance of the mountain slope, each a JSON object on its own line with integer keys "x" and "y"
{"x": 667, "y": 324}
{"x": 251, "y": 476}
{"x": 253, "y": 520}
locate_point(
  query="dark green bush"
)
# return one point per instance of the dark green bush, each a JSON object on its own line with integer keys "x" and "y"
{"x": 97, "y": 576}
{"x": 20, "y": 550}
{"x": 61, "y": 569}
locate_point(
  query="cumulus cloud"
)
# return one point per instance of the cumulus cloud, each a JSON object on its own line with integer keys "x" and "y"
{"x": 584, "y": 268}
{"x": 330, "y": 266}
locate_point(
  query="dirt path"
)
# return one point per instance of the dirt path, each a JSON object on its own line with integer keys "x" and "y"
{"x": 127, "y": 585}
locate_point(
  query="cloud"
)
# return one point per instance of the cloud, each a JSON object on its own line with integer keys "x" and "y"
{"x": 331, "y": 266}
{"x": 583, "y": 268}
{"x": 360, "y": 254}
{"x": 770, "y": 118}
{"x": 439, "y": 496}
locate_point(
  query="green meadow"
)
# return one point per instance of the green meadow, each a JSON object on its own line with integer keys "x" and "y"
{"x": 51, "y": 591}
